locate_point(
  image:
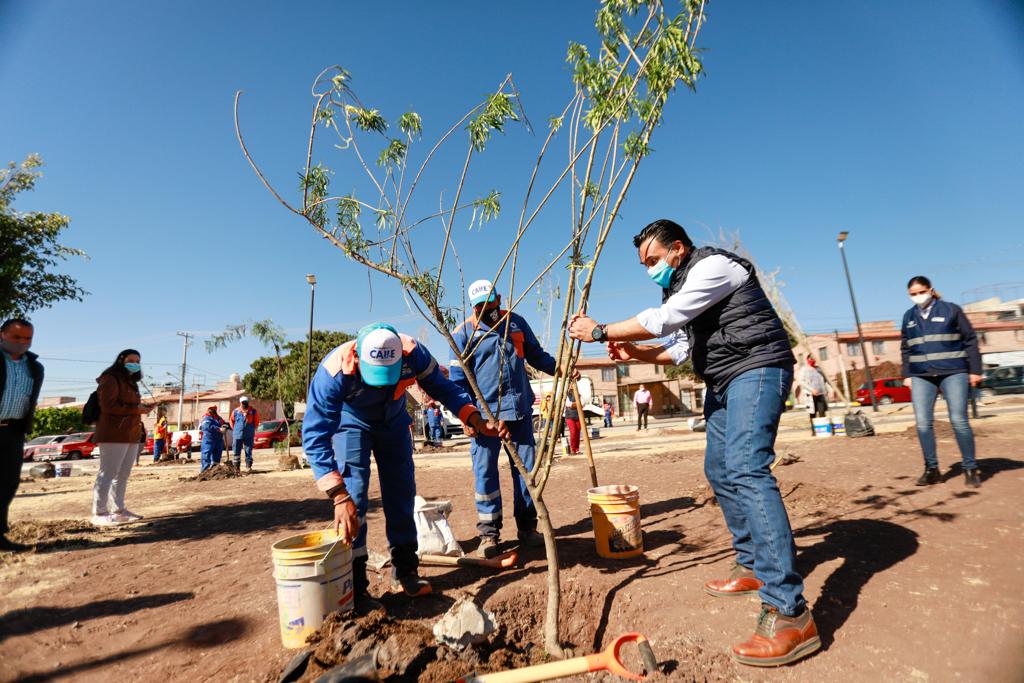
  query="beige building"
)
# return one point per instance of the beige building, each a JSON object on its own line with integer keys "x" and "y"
{"x": 617, "y": 382}
{"x": 225, "y": 395}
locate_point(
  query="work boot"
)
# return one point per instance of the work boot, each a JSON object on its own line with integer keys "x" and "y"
{"x": 411, "y": 584}
{"x": 931, "y": 476}
{"x": 741, "y": 581}
{"x": 531, "y": 539}
{"x": 488, "y": 547}
{"x": 778, "y": 639}
{"x": 972, "y": 478}
{"x": 364, "y": 603}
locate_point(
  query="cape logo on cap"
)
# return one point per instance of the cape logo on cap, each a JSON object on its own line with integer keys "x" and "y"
{"x": 480, "y": 289}
{"x": 383, "y": 354}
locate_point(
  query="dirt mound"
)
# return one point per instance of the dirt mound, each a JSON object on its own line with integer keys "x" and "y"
{"x": 221, "y": 471}
{"x": 173, "y": 461}
{"x": 288, "y": 462}
{"x": 434, "y": 448}
{"x": 943, "y": 430}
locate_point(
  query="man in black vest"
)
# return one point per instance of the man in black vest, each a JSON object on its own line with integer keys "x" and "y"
{"x": 715, "y": 312}
{"x": 21, "y": 377}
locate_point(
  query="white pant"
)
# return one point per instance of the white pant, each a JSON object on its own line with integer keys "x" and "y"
{"x": 116, "y": 461}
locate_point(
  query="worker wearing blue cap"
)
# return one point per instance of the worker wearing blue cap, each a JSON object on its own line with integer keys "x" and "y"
{"x": 356, "y": 404}
{"x": 499, "y": 365}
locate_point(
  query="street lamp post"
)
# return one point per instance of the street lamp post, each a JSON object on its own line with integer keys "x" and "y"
{"x": 311, "y": 279}
{"x": 856, "y": 316}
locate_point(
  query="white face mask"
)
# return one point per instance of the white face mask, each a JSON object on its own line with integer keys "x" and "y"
{"x": 921, "y": 300}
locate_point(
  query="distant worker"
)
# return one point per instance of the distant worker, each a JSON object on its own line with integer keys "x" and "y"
{"x": 609, "y": 413}
{"x": 940, "y": 353}
{"x": 715, "y": 312}
{"x": 160, "y": 440}
{"x": 497, "y": 349}
{"x": 813, "y": 389}
{"x": 356, "y": 405}
{"x": 117, "y": 437}
{"x": 243, "y": 425}
{"x": 435, "y": 422}
{"x": 185, "y": 445}
{"x": 21, "y": 378}
{"x": 211, "y": 443}
{"x": 572, "y": 423}
{"x": 545, "y": 406}
{"x": 643, "y": 401}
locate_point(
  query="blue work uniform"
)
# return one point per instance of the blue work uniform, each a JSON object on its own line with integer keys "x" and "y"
{"x": 346, "y": 419}
{"x": 213, "y": 441}
{"x": 243, "y": 432}
{"x": 435, "y": 424}
{"x": 499, "y": 365}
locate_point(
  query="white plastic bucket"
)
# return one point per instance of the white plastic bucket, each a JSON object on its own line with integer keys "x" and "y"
{"x": 595, "y": 432}
{"x": 62, "y": 469}
{"x": 822, "y": 426}
{"x": 314, "y": 578}
{"x": 838, "y": 426}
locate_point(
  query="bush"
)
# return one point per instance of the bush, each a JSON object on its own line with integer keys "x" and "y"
{"x": 57, "y": 421}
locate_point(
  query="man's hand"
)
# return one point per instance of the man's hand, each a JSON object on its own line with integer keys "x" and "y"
{"x": 908, "y": 381}
{"x": 619, "y": 351}
{"x": 975, "y": 379}
{"x": 582, "y": 327}
{"x": 468, "y": 431}
{"x": 346, "y": 519}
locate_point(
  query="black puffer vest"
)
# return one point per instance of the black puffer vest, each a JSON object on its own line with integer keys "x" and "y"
{"x": 739, "y": 333}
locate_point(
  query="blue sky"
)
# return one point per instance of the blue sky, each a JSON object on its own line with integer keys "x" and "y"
{"x": 899, "y": 122}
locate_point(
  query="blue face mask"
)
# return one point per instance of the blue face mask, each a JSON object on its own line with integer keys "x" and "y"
{"x": 133, "y": 367}
{"x": 661, "y": 272}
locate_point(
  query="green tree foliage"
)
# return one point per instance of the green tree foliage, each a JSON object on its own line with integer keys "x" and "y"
{"x": 684, "y": 371}
{"x": 57, "y": 421}
{"x": 29, "y": 250}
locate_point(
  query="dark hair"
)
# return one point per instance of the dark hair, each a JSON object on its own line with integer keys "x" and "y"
{"x": 118, "y": 364}
{"x": 665, "y": 231}
{"x": 10, "y": 322}
{"x": 919, "y": 280}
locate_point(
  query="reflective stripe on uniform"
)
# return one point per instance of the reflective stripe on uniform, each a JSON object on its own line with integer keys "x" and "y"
{"x": 924, "y": 358}
{"x": 484, "y": 497}
{"x": 933, "y": 338}
{"x": 431, "y": 366}
{"x": 489, "y": 516}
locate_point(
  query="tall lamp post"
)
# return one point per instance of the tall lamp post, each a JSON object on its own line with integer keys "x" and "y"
{"x": 856, "y": 316}
{"x": 311, "y": 279}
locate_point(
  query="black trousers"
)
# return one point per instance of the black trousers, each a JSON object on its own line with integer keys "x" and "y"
{"x": 12, "y": 445}
{"x": 641, "y": 415}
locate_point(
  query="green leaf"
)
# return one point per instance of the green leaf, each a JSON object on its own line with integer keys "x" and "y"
{"x": 411, "y": 124}
{"x": 367, "y": 119}
{"x": 392, "y": 154}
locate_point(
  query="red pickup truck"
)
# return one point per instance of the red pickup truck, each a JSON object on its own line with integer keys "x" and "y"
{"x": 72, "y": 447}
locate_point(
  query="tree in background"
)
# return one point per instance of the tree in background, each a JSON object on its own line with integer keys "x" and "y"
{"x": 29, "y": 250}
{"x": 57, "y": 421}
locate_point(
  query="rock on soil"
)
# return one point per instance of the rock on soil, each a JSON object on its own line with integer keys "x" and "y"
{"x": 45, "y": 470}
{"x": 465, "y": 624}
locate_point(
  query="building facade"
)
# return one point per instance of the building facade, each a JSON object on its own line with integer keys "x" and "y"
{"x": 616, "y": 382}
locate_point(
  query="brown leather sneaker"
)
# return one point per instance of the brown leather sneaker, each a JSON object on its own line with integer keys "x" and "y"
{"x": 778, "y": 639}
{"x": 741, "y": 581}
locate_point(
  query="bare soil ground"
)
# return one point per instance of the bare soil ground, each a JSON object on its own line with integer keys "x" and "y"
{"x": 907, "y": 583}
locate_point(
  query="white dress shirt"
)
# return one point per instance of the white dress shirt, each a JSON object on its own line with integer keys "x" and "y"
{"x": 709, "y": 281}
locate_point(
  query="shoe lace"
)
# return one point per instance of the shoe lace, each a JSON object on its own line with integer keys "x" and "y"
{"x": 766, "y": 621}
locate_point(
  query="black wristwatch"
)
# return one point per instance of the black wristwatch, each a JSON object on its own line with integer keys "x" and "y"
{"x": 599, "y": 333}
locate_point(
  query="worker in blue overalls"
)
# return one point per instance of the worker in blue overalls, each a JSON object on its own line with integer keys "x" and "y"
{"x": 435, "y": 422}
{"x": 356, "y": 404}
{"x": 212, "y": 439}
{"x": 243, "y": 427}
{"x": 499, "y": 364}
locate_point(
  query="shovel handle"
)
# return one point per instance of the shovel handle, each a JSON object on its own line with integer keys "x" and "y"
{"x": 503, "y": 561}
{"x": 585, "y": 433}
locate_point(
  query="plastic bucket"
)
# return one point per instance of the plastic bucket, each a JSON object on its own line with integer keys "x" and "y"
{"x": 616, "y": 513}
{"x": 314, "y": 578}
{"x": 62, "y": 469}
{"x": 838, "y": 426}
{"x": 822, "y": 426}
{"x": 595, "y": 432}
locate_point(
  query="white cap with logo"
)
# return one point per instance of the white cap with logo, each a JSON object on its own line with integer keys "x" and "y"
{"x": 481, "y": 291}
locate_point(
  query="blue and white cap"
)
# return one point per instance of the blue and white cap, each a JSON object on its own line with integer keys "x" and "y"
{"x": 481, "y": 291}
{"x": 380, "y": 355}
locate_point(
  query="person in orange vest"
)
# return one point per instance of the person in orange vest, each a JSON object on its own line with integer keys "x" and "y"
{"x": 160, "y": 437}
{"x": 185, "y": 444}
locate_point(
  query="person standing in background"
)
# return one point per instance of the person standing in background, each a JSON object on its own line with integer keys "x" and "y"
{"x": 813, "y": 387}
{"x": 21, "y": 378}
{"x": 117, "y": 435}
{"x": 572, "y": 422}
{"x": 211, "y": 443}
{"x": 609, "y": 413}
{"x": 160, "y": 440}
{"x": 643, "y": 400}
{"x": 940, "y": 353}
{"x": 435, "y": 423}
{"x": 243, "y": 425}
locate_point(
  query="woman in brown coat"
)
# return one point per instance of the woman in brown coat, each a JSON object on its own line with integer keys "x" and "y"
{"x": 117, "y": 434}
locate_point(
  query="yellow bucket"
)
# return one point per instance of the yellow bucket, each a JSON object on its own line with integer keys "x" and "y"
{"x": 314, "y": 578}
{"x": 616, "y": 513}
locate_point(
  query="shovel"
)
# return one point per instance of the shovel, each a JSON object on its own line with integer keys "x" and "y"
{"x": 503, "y": 561}
{"x": 606, "y": 660}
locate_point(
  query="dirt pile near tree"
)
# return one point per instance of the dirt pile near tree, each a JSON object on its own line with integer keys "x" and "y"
{"x": 221, "y": 471}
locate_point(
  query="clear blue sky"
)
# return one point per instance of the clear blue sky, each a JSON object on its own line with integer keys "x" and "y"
{"x": 900, "y": 122}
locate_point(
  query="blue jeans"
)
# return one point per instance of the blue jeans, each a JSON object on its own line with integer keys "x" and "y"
{"x": 436, "y": 433}
{"x": 607, "y": 420}
{"x": 158, "y": 449}
{"x": 486, "y": 451}
{"x": 239, "y": 443}
{"x": 210, "y": 453}
{"x": 956, "y": 390}
{"x": 742, "y": 424}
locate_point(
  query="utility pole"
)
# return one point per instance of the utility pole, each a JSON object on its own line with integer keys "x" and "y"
{"x": 856, "y": 316}
{"x": 181, "y": 393}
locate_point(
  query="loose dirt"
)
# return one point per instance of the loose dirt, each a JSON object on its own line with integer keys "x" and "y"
{"x": 221, "y": 471}
{"x": 906, "y": 583}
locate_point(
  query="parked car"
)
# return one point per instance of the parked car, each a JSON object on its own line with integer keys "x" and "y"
{"x": 271, "y": 432}
{"x": 32, "y": 446}
{"x": 1008, "y": 379}
{"x": 887, "y": 390}
{"x": 147, "y": 448}
{"x": 72, "y": 447}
